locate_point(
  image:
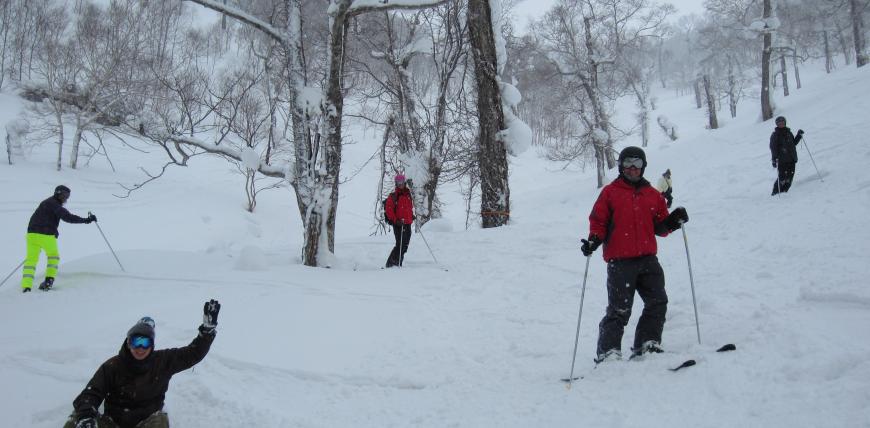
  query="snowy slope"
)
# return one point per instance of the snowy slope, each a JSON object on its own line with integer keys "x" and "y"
{"x": 483, "y": 344}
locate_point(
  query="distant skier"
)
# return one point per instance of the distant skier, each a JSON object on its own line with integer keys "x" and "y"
{"x": 783, "y": 154}
{"x": 399, "y": 211}
{"x": 42, "y": 236}
{"x": 133, "y": 384}
{"x": 626, "y": 217}
{"x": 664, "y": 186}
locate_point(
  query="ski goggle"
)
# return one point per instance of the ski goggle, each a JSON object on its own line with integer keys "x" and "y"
{"x": 141, "y": 342}
{"x": 632, "y": 162}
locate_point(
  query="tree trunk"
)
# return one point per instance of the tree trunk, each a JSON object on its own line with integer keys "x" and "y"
{"x": 844, "y": 46}
{"x": 732, "y": 88}
{"x": 77, "y": 139}
{"x": 696, "y": 87}
{"x": 711, "y": 103}
{"x": 829, "y": 61}
{"x": 797, "y": 73}
{"x": 59, "y": 117}
{"x": 492, "y": 153}
{"x": 322, "y": 212}
{"x": 661, "y": 62}
{"x": 766, "y": 108}
{"x": 9, "y": 148}
{"x": 857, "y": 12}
{"x": 784, "y": 71}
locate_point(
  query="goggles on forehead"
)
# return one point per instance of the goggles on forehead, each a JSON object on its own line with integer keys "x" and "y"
{"x": 632, "y": 162}
{"x": 142, "y": 342}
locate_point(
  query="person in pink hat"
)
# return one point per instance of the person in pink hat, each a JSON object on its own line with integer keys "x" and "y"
{"x": 399, "y": 212}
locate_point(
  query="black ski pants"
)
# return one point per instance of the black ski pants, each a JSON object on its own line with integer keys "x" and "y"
{"x": 785, "y": 177}
{"x": 402, "y": 232}
{"x": 645, "y": 275}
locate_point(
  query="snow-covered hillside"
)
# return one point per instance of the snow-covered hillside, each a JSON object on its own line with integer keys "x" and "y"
{"x": 484, "y": 342}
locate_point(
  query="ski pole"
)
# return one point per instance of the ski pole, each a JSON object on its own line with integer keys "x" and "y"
{"x": 107, "y": 243}
{"x": 420, "y": 231}
{"x": 579, "y": 317}
{"x": 813, "y": 160}
{"x": 12, "y": 273}
{"x": 691, "y": 282}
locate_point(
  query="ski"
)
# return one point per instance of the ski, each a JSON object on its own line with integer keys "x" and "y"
{"x": 690, "y": 363}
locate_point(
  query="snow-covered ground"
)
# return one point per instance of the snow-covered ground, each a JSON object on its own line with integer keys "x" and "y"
{"x": 484, "y": 343}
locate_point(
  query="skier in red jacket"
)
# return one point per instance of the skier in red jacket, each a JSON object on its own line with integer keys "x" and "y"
{"x": 399, "y": 211}
{"x": 626, "y": 217}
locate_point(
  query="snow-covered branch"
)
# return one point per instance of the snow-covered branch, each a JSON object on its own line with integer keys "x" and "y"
{"x": 277, "y": 171}
{"x": 362, "y": 6}
{"x": 275, "y": 33}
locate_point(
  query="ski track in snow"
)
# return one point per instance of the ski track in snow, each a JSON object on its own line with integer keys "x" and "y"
{"x": 485, "y": 343}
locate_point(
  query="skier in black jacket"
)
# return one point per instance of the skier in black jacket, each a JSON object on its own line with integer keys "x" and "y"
{"x": 783, "y": 154}
{"x": 133, "y": 383}
{"x": 42, "y": 236}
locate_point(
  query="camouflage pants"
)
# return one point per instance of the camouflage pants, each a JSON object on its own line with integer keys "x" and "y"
{"x": 156, "y": 420}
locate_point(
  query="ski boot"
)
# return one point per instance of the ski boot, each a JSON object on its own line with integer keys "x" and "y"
{"x": 25, "y": 290}
{"x": 648, "y": 347}
{"x": 611, "y": 355}
{"x": 46, "y": 285}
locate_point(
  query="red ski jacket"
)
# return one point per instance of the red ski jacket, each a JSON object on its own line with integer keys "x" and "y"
{"x": 403, "y": 210}
{"x": 624, "y": 217}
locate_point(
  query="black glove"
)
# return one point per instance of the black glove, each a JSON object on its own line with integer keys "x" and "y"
{"x": 209, "y": 316}
{"x": 773, "y": 162}
{"x": 86, "y": 423}
{"x": 590, "y": 245}
{"x": 800, "y": 132}
{"x": 676, "y": 218}
{"x": 91, "y": 218}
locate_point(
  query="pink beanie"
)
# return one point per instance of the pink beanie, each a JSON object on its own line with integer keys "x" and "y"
{"x": 400, "y": 179}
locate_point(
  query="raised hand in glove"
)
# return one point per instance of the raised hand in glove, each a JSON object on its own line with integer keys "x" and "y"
{"x": 800, "y": 132}
{"x": 91, "y": 218}
{"x": 209, "y": 316}
{"x": 676, "y": 218}
{"x": 86, "y": 423}
{"x": 590, "y": 245}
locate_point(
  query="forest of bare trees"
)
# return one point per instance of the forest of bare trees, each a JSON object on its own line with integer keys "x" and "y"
{"x": 452, "y": 87}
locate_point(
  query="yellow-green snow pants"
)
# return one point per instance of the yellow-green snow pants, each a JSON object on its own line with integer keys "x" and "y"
{"x": 36, "y": 243}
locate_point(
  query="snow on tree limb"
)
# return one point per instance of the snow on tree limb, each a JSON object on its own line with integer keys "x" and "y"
{"x": 277, "y": 171}
{"x": 275, "y": 33}
{"x": 359, "y": 7}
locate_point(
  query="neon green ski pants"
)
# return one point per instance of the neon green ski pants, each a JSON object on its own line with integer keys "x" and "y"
{"x": 37, "y": 243}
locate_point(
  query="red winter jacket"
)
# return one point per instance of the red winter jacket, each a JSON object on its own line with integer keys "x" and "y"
{"x": 404, "y": 210}
{"x": 624, "y": 217}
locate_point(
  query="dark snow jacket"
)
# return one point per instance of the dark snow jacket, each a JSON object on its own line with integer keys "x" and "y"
{"x": 48, "y": 215}
{"x": 627, "y": 217}
{"x": 403, "y": 210}
{"x": 783, "y": 145}
{"x": 132, "y": 389}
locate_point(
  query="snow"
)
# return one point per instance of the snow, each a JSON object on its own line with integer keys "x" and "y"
{"x": 250, "y": 158}
{"x": 484, "y": 343}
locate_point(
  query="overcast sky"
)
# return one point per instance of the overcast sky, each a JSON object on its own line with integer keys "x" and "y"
{"x": 532, "y": 9}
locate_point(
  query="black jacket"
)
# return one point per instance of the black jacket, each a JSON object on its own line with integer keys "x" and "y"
{"x": 783, "y": 145}
{"x": 133, "y": 390}
{"x": 48, "y": 215}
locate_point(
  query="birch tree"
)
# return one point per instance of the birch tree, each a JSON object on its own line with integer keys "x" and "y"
{"x": 316, "y": 112}
{"x": 587, "y": 42}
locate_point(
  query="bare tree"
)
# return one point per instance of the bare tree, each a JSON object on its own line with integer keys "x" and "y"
{"x": 856, "y": 8}
{"x": 492, "y": 155}
{"x": 316, "y": 113}
{"x": 587, "y": 42}
{"x": 713, "y": 122}
{"x": 766, "y": 107}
